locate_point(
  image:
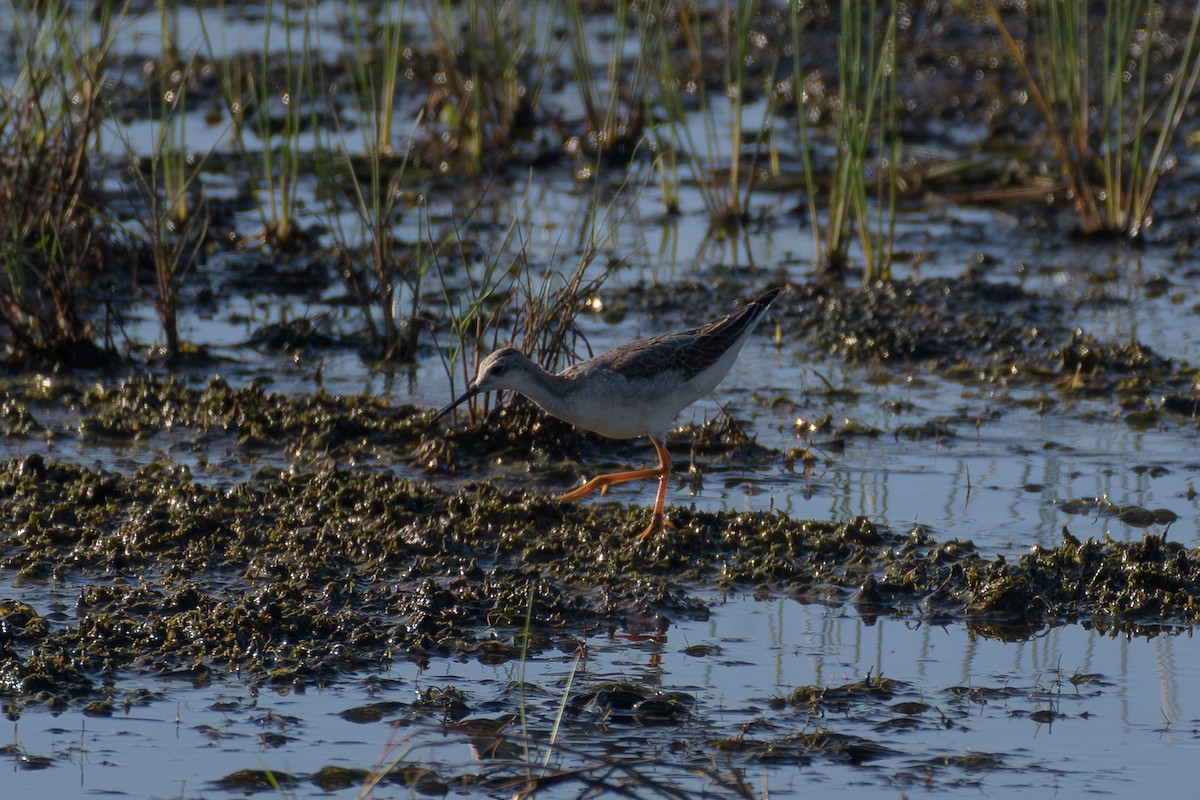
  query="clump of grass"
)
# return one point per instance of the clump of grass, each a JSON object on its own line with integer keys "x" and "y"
{"x": 718, "y": 164}
{"x": 173, "y": 218}
{"x": 274, "y": 104}
{"x": 476, "y": 312}
{"x": 375, "y": 59}
{"x": 613, "y": 105}
{"x": 798, "y": 90}
{"x": 380, "y": 272}
{"x": 49, "y": 123}
{"x": 503, "y": 304}
{"x": 511, "y": 301}
{"x": 489, "y": 71}
{"x": 1110, "y": 130}
{"x": 864, "y": 123}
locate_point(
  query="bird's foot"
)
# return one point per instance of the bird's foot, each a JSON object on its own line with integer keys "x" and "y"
{"x": 656, "y": 524}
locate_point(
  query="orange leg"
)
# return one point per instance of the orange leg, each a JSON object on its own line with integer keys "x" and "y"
{"x": 658, "y": 522}
{"x": 602, "y": 482}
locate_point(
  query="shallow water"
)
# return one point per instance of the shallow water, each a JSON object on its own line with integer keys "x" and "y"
{"x": 1007, "y": 713}
{"x": 1071, "y": 712}
{"x": 1000, "y": 484}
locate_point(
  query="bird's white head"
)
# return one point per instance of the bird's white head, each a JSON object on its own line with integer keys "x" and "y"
{"x": 506, "y": 368}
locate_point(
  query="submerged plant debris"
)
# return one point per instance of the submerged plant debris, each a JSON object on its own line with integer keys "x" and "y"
{"x": 298, "y": 577}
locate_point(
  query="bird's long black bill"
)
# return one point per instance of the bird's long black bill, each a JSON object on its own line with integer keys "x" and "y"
{"x": 464, "y": 397}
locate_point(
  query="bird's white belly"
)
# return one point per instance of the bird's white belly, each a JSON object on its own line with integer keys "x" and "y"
{"x": 624, "y": 410}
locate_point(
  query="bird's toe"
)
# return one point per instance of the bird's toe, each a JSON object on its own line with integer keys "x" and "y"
{"x": 656, "y": 525}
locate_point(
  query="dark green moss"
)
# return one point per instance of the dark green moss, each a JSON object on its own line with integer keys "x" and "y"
{"x": 146, "y": 404}
{"x": 333, "y": 779}
{"x": 254, "y": 780}
{"x": 298, "y": 577}
{"x": 943, "y": 320}
{"x": 869, "y": 688}
{"x": 972, "y": 329}
{"x": 803, "y": 747}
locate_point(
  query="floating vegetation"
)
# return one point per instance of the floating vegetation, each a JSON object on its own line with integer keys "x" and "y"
{"x": 297, "y": 577}
{"x": 973, "y": 330}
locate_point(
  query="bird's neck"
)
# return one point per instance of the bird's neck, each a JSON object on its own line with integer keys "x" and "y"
{"x": 549, "y": 391}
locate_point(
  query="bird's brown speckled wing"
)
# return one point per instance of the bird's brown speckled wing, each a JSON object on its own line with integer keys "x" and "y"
{"x": 692, "y": 351}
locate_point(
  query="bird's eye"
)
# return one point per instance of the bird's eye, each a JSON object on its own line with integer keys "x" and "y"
{"x": 499, "y": 369}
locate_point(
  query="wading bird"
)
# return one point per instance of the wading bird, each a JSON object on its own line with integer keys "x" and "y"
{"x": 632, "y": 390}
